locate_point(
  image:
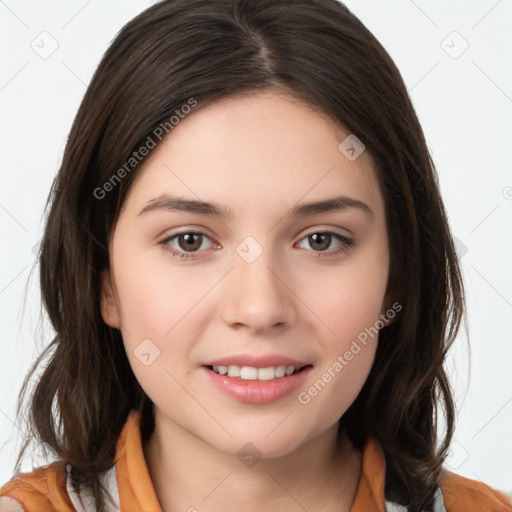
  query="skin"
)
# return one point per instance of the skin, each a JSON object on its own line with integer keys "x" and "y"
{"x": 259, "y": 155}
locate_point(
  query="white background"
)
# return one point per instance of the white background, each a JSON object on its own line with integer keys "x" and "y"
{"x": 464, "y": 101}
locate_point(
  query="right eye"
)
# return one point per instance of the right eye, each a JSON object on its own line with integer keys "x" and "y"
{"x": 185, "y": 244}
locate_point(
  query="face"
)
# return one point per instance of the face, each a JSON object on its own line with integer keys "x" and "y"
{"x": 253, "y": 281}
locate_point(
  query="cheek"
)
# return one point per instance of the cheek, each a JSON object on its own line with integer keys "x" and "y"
{"x": 347, "y": 300}
{"x": 337, "y": 384}
{"x": 155, "y": 296}
{"x": 348, "y": 354}
{"x": 157, "y": 330}
{"x": 162, "y": 314}
{"x": 348, "y": 305}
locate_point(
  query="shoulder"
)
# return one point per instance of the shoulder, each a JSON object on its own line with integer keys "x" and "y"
{"x": 462, "y": 494}
{"x": 454, "y": 493}
{"x": 41, "y": 490}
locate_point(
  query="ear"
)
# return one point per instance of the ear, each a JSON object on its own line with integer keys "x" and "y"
{"x": 108, "y": 302}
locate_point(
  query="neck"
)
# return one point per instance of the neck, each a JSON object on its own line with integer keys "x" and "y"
{"x": 189, "y": 474}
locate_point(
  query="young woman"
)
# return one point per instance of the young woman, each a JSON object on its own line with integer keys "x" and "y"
{"x": 250, "y": 274}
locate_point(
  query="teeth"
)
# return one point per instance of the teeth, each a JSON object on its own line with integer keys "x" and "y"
{"x": 233, "y": 371}
{"x": 252, "y": 373}
{"x": 281, "y": 371}
{"x": 249, "y": 373}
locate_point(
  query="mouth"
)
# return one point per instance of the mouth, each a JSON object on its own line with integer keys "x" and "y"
{"x": 258, "y": 384}
{"x": 269, "y": 373}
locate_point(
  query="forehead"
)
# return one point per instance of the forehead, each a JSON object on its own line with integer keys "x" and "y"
{"x": 257, "y": 153}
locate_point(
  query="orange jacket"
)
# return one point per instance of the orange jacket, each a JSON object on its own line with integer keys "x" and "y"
{"x": 46, "y": 489}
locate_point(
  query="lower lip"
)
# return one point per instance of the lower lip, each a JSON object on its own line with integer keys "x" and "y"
{"x": 258, "y": 391}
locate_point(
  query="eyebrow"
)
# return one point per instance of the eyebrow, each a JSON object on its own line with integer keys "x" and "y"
{"x": 175, "y": 203}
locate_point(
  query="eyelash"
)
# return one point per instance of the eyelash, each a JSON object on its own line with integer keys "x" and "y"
{"x": 347, "y": 244}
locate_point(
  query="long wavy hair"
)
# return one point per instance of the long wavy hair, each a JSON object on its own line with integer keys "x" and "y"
{"x": 319, "y": 52}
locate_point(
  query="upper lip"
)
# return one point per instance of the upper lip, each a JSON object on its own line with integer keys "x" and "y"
{"x": 256, "y": 361}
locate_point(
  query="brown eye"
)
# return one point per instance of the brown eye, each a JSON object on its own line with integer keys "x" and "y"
{"x": 189, "y": 241}
{"x": 187, "y": 244}
{"x": 320, "y": 241}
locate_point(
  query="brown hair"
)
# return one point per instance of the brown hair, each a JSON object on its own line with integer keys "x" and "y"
{"x": 318, "y": 51}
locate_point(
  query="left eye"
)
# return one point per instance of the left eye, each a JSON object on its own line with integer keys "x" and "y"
{"x": 323, "y": 239}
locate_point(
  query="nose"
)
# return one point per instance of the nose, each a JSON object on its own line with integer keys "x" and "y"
{"x": 258, "y": 296}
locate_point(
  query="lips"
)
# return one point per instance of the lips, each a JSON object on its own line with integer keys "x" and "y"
{"x": 256, "y": 391}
